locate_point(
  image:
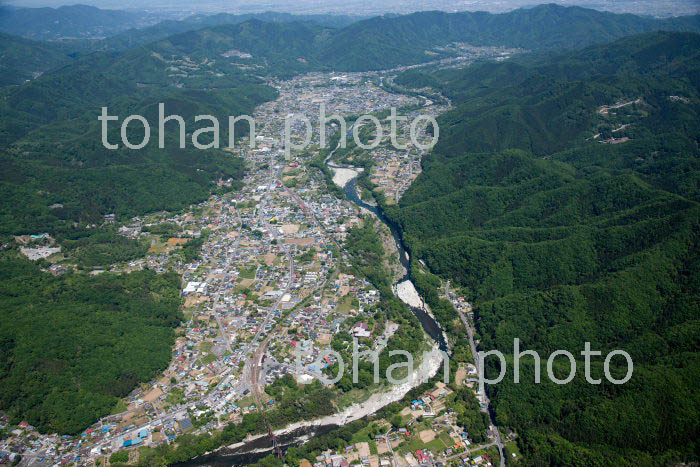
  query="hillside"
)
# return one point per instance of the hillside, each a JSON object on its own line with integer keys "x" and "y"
{"x": 62, "y": 363}
{"x": 340, "y": 43}
{"x": 134, "y": 37}
{"x": 348, "y": 43}
{"x": 281, "y": 49}
{"x": 562, "y": 199}
{"x": 67, "y": 22}
{"x": 50, "y": 138}
{"x": 388, "y": 42}
{"x": 22, "y": 60}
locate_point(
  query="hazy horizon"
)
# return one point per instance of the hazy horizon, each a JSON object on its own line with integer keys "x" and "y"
{"x": 369, "y": 7}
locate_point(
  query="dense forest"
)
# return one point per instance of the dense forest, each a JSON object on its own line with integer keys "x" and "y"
{"x": 562, "y": 199}
{"x": 68, "y": 354}
{"x": 56, "y": 171}
{"x": 22, "y": 59}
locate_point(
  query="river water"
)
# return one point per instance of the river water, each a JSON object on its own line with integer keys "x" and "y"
{"x": 430, "y": 326}
{"x": 253, "y": 451}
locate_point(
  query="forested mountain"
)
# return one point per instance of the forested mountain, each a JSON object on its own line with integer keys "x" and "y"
{"x": 335, "y": 42}
{"x": 281, "y": 49}
{"x": 134, "y": 37}
{"x": 67, "y": 22}
{"x": 563, "y": 199}
{"x": 68, "y": 353}
{"x": 22, "y": 60}
{"x": 125, "y": 29}
{"x": 50, "y": 138}
{"x": 386, "y": 42}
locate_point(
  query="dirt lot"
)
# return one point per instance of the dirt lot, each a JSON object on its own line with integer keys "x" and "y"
{"x": 153, "y": 395}
{"x": 461, "y": 376}
{"x": 270, "y": 258}
{"x": 382, "y": 447}
{"x": 301, "y": 241}
{"x": 427, "y": 436}
{"x": 193, "y": 300}
{"x": 363, "y": 449}
{"x": 290, "y": 228}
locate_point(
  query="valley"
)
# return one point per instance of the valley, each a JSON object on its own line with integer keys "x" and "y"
{"x": 272, "y": 275}
{"x": 520, "y": 184}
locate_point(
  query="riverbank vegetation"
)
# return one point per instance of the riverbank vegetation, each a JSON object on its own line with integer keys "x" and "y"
{"x": 294, "y": 403}
{"x": 367, "y": 256}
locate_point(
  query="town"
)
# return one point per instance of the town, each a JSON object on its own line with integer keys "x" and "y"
{"x": 272, "y": 278}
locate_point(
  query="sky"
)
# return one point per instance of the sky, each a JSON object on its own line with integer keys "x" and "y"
{"x": 368, "y": 7}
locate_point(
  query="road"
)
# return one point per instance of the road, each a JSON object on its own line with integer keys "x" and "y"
{"x": 474, "y": 449}
{"x": 391, "y": 448}
{"x": 252, "y": 374}
{"x": 224, "y": 334}
{"x": 498, "y": 440}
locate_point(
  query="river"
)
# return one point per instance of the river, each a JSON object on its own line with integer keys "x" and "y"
{"x": 430, "y": 326}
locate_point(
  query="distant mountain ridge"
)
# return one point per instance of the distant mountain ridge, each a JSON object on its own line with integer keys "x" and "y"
{"x": 53, "y": 116}
{"x": 387, "y": 42}
{"x": 125, "y": 29}
{"x": 133, "y": 37}
{"x": 340, "y": 42}
{"x": 71, "y": 21}
{"x": 22, "y": 59}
